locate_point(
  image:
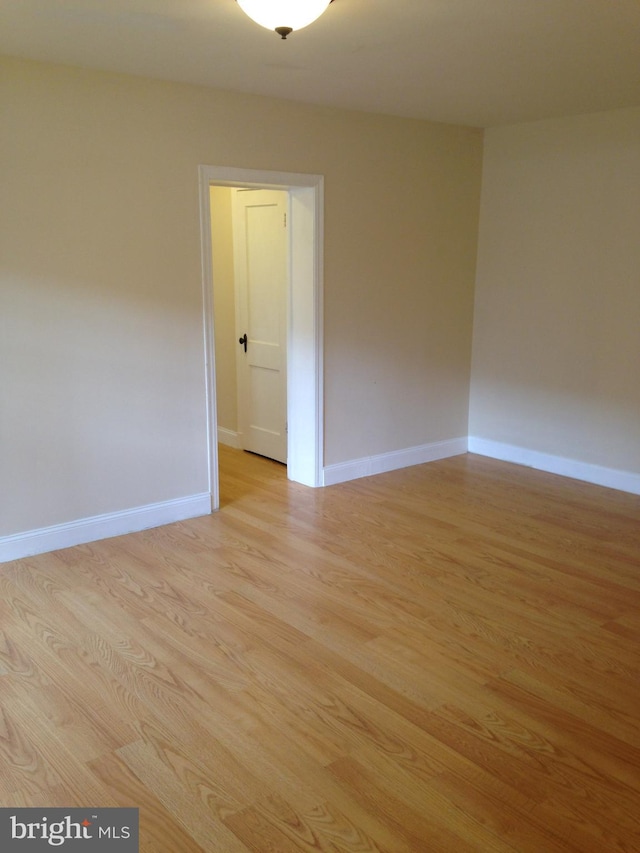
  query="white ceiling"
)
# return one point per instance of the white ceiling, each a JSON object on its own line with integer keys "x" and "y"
{"x": 474, "y": 62}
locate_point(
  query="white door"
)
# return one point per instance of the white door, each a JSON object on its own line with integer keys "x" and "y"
{"x": 261, "y": 269}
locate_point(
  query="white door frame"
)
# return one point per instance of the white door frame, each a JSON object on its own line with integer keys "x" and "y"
{"x": 304, "y": 332}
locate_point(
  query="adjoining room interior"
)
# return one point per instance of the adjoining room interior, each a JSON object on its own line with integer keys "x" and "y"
{"x": 434, "y": 643}
{"x": 262, "y": 253}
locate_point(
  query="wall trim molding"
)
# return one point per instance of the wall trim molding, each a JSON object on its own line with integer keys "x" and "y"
{"x": 230, "y": 437}
{"x": 611, "y": 478}
{"x": 383, "y": 462}
{"x": 84, "y": 530}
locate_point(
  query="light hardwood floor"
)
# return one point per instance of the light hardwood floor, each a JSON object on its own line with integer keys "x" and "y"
{"x": 444, "y": 658}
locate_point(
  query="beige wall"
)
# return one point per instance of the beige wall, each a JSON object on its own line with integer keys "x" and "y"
{"x": 224, "y": 307}
{"x": 102, "y": 395}
{"x": 556, "y": 355}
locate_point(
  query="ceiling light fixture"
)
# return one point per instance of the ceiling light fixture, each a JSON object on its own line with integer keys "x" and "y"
{"x": 284, "y": 16}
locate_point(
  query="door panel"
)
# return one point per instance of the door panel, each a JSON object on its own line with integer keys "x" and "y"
{"x": 261, "y": 261}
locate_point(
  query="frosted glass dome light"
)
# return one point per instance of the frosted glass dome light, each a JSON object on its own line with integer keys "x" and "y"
{"x": 284, "y": 16}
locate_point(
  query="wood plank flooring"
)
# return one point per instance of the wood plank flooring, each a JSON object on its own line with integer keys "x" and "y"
{"x": 443, "y": 658}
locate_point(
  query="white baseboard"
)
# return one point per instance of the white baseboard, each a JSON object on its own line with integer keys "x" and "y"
{"x": 229, "y": 437}
{"x": 612, "y": 478}
{"x": 102, "y": 527}
{"x": 383, "y": 462}
{"x": 98, "y": 527}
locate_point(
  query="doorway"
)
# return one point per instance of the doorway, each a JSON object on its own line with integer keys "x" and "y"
{"x": 304, "y": 317}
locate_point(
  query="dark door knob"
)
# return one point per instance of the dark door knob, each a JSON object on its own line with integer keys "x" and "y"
{"x": 243, "y": 340}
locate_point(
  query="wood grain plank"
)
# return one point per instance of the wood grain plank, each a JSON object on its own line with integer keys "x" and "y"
{"x": 441, "y": 658}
